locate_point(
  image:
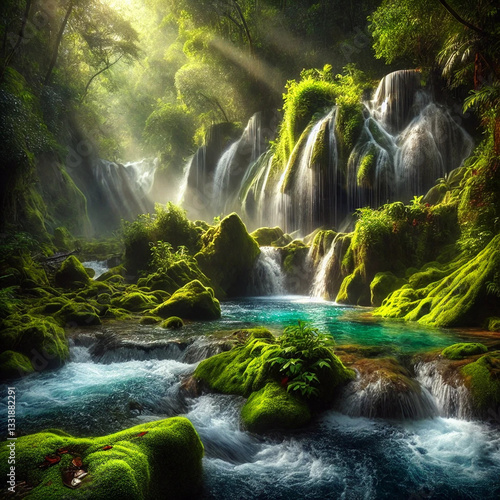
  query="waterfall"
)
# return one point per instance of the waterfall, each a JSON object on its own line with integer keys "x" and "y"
{"x": 184, "y": 181}
{"x": 387, "y": 398}
{"x": 235, "y": 162}
{"x": 143, "y": 172}
{"x": 267, "y": 274}
{"x": 406, "y": 142}
{"x": 320, "y": 280}
{"x": 451, "y": 396}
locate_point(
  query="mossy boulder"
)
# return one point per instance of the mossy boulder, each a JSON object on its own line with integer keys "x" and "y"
{"x": 180, "y": 273}
{"x": 161, "y": 459}
{"x": 382, "y": 285}
{"x": 75, "y": 313}
{"x": 272, "y": 407}
{"x": 149, "y": 320}
{"x": 135, "y": 301}
{"x": 192, "y": 301}
{"x": 353, "y": 289}
{"x": 14, "y": 364}
{"x": 464, "y": 350}
{"x": 173, "y": 323}
{"x": 228, "y": 255}
{"x": 42, "y": 341}
{"x": 483, "y": 379}
{"x": 266, "y": 236}
{"x": 71, "y": 274}
{"x": 298, "y": 271}
{"x": 242, "y": 370}
{"x": 63, "y": 239}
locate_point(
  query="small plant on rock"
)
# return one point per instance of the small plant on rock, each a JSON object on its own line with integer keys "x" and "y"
{"x": 301, "y": 353}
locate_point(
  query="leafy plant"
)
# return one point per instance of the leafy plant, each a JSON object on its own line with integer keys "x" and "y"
{"x": 301, "y": 353}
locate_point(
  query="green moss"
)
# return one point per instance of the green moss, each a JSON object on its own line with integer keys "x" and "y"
{"x": 353, "y": 289}
{"x": 76, "y": 313}
{"x": 464, "y": 350}
{"x": 366, "y": 170}
{"x": 149, "y": 320}
{"x": 266, "y": 236}
{"x": 114, "y": 274}
{"x": 192, "y": 301}
{"x": 164, "y": 462}
{"x": 173, "y": 323}
{"x": 483, "y": 379}
{"x": 242, "y": 370}
{"x": 494, "y": 324}
{"x": 382, "y": 285}
{"x": 14, "y": 364}
{"x": 63, "y": 239}
{"x": 272, "y": 407}
{"x": 177, "y": 275}
{"x": 321, "y": 244}
{"x": 135, "y": 301}
{"x": 459, "y": 299}
{"x": 71, "y": 274}
{"x": 228, "y": 255}
{"x": 41, "y": 340}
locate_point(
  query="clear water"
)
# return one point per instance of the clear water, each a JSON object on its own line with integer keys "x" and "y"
{"x": 335, "y": 457}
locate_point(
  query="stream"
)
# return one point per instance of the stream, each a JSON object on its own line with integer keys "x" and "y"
{"x": 102, "y": 391}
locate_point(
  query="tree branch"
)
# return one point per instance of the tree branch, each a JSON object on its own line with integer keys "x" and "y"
{"x": 461, "y": 20}
{"x": 217, "y": 103}
{"x": 85, "y": 92}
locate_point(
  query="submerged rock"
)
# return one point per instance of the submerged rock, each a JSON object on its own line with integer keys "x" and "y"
{"x": 159, "y": 459}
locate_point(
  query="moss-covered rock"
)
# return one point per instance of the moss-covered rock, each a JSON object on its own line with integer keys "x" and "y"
{"x": 42, "y": 341}
{"x": 180, "y": 273}
{"x": 71, "y": 274}
{"x": 464, "y": 350}
{"x": 14, "y": 364}
{"x": 192, "y": 301}
{"x": 63, "y": 239}
{"x": 266, "y": 236}
{"x": 149, "y": 320}
{"x": 382, "y": 285}
{"x": 297, "y": 268}
{"x": 228, "y": 255}
{"x": 75, "y": 313}
{"x": 272, "y": 407}
{"x": 493, "y": 324}
{"x": 173, "y": 323}
{"x": 159, "y": 459}
{"x": 461, "y": 298}
{"x": 353, "y": 289}
{"x": 239, "y": 371}
{"x": 135, "y": 301}
{"x": 483, "y": 379}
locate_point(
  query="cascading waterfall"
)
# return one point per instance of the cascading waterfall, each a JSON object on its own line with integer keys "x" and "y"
{"x": 452, "y": 398}
{"x": 320, "y": 280}
{"x": 406, "y": 143}
{"x": 143, "y": 172}
{"x": 267, "y": 276}
{"x": 184, "y": 181}
{"x": 234, "y": 163}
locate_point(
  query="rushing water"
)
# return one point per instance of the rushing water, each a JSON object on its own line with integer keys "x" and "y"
{"x": 335, "y": 457}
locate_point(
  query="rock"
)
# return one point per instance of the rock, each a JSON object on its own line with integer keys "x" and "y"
{"x": 228, "y": 255}
{"x": 135, "y": 301}
{"x": 192, "y": 301}
{"x": 160, "y": 459}
{"x": 271, "y": 408}
{"x": 172, "y": 323}
{"x": 14, "y": 365}
{"x": 71, "y": 274}
{"x": 382, "y": 285}
{"x": 266, "y": 236}
{"x": 465, "y": 350}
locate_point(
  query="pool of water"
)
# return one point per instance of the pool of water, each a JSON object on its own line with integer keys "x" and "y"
{"x": 335, "y": 457}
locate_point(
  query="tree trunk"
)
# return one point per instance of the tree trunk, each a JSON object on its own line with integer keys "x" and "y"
{"x": 58, "y": 43}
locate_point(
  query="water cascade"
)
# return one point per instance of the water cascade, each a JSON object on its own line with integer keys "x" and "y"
{"x": 406, "y": 143}
{"x": 235, "y": 161}
{"x": 267, "y": 275}
{"x": 452, "y": 397}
